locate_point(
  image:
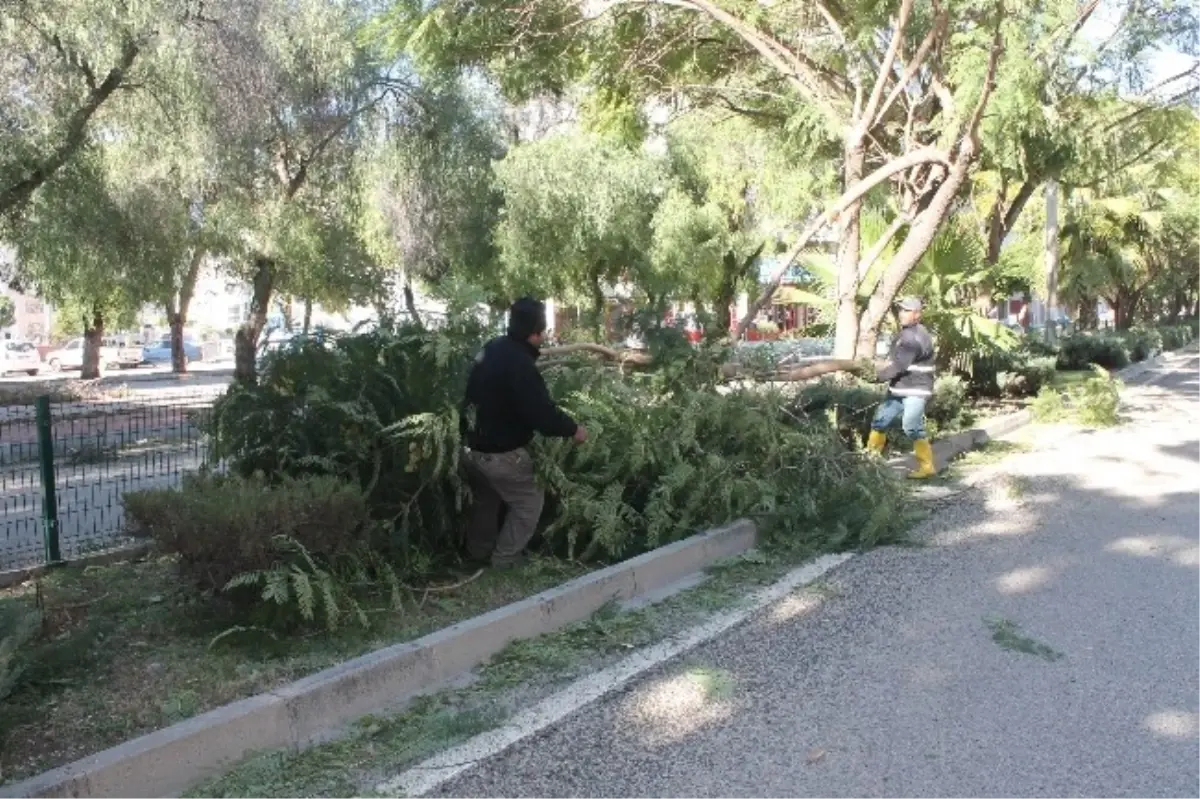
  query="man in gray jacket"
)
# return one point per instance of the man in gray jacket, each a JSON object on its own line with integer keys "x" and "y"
{"x": 909, "y": 374}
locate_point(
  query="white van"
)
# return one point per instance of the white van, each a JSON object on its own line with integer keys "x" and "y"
{"x": 19, "y": 356}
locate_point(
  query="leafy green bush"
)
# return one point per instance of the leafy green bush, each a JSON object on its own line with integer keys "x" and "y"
{"x": 1142, "y": 343}
{"x": 947, "y": 409}
{"x": 222, "y": 526}
{"x": 668, "y": 455}
{"x": 1096, "y": 400}
{"x": 304, "y": 584}
{"x": 1048, "y": 405}
{"x": 1082, "y": 350}
{"x": 1176, "y": 336}
{"x": 1027, "y": 376}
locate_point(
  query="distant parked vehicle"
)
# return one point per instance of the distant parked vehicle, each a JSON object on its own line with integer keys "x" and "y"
{"x": 129, "y": 353}
{"x": 159, "y": 352}
{"x": 19, "y": 356}
{"x": 113, "y": 355}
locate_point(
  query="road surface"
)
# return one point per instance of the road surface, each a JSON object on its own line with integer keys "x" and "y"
{"x": 141, "y": 381}
{"x": 1043, "y": 642}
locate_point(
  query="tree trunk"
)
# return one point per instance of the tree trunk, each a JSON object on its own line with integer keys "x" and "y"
{"x": 1087, "y": 314}
{"x": 177, "y": 313}
{"x": 920, "y": 235}
{"x": 1001, "y": 221}
{"x": 410, "y": 302}
{"x": 93, "y": 337}
{"x": 733, "y": 269}
{"x": 308, "y": 306}
{"x": 245, "y": 342}
{"x": 834, "y": 213}
{"x": 179, "y": 360}
{"x": 1051, "y": 247}
{"x": 285, "y": 309}
{"x": 849, "y": 251}
{"x": 723, "y": 302}
{"x": 598, "y": 308}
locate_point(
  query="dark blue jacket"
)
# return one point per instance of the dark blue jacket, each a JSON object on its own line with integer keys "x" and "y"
{"x": 910, "y": 372}
{"x": 507, "y": 400}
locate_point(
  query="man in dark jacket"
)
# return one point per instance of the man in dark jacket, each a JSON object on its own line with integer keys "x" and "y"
{"x": 909, "y": 374}
{"x": 506, "y": 403}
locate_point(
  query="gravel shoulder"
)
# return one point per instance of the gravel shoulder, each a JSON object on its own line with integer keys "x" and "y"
{"x": 1040, "y": 638}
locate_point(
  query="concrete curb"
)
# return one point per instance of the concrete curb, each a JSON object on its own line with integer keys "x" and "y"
{"x": 168, "y": 761}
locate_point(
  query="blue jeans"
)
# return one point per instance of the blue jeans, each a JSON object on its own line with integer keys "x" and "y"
{"x": 911, "y": 411}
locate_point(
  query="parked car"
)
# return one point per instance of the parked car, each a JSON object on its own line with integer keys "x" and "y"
{"x": 159, "y": 352}
{"x": 129, "y": 353}
{"x": 19, "y": 356}
{"x": 113, "y": 355}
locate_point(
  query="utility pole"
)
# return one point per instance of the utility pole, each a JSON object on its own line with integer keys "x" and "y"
{"x": 1051, "y": 246}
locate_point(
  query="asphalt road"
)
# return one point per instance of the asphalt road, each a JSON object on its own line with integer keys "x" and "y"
{"x": 1043, "y": 642}
{"x": 142, "y": 380}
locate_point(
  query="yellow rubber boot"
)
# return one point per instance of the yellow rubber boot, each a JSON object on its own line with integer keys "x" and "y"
{"x": 924, "y": 453}
{"x": 876, "y": 441}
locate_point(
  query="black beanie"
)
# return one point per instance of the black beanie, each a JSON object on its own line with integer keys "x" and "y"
{"x": 526, "y": 317}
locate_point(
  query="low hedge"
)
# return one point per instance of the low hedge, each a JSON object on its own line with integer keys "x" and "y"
{"x": 1116, "y": 350}
{"x": 223, "y": 525}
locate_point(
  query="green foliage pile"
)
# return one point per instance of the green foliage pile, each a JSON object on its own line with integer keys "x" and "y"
{"x": 346, "y": 436}
{"x": 1048, "y": 406}
{"x": 1097, "y": 400}
{"x": 1093, "y": 403}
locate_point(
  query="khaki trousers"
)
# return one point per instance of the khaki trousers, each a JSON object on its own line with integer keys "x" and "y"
{"x": 502, "y": 479}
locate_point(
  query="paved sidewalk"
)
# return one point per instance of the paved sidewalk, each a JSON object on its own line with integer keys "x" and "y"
{"x": 1044, "y": 642}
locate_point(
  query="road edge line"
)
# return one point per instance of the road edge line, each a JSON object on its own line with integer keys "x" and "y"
{"x": 439, "y": 769}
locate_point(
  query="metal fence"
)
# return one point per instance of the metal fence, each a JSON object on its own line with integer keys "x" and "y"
{"x": 64, "y": 467}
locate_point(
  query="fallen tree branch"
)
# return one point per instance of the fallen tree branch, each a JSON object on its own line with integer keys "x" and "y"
{"x": 795, "y": 374}
{"x": 729, "y": 371}
{"x": 621, "y": 356}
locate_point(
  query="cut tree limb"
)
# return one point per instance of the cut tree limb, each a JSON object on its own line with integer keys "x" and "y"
{"x": 729, "y": 371}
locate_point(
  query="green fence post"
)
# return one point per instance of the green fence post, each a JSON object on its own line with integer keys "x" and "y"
{"x": 49, "y": 490}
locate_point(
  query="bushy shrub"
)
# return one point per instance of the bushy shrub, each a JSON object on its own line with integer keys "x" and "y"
{"x": 1082, "y": 350}
{"x": 947, "y": 409}
{"x": 1027, "y": 376}
{"x": 1176, "y": 336}
{"x": 1142, "y": 343}
{"x": 221, "y": 526}
{"x": 1019, "y": 372}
